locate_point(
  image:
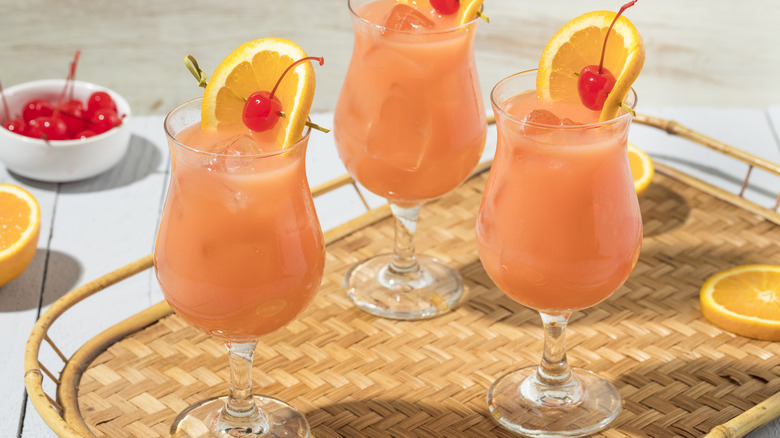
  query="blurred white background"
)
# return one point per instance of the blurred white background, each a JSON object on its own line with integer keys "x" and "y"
{"x": 708, "y": 53}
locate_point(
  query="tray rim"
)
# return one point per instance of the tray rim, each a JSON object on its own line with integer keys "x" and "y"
{"x": 63, "y": 415}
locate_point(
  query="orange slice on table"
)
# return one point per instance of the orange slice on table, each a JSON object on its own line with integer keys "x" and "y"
{"x": 642, "y": 169}
{"x": 744, "y": 300}
{"x": 20, "y": 223}
{"x": 256, "y": 66}
{"x": 578, "y": 44}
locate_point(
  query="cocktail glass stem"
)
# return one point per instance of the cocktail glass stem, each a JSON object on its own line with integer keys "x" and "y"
{"x": 240, "y": 403}
{"x": 404, "y": 260}
{"x": 241, "y": 411}
{"x": 554, "y": 369}
{"x": 553, "y": 384}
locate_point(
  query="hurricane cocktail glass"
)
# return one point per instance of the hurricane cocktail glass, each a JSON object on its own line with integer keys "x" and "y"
{"x": 558, "y": 230}
{"x": 239, "y": 254}
{"x": 410, "y": 127}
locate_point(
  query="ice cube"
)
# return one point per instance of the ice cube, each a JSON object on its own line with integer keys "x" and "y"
{"x": 236, "y": 200}
{"x": 400, "y": 145}
{"x": 241, "y": 144}
{"x": 543, "y": 117}
{"x": 569, "y": 122}
{"x": 404, "y": 17}
{"x": 238, "y": 146}
{"x": 407, "y": 65}
{"x": 539, "y": 117}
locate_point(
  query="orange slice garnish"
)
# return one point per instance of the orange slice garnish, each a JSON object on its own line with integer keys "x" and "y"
{"x": 468, "y": 10}
{"x": 256, "y": 66}
{"x": 466, "y": 13}
{"x": 579, "y": 43}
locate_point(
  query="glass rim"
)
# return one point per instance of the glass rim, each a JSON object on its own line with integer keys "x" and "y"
{"x": 521, "y": 120}
{"x": 172, "y": 137}
{"x": 410, "y": 32}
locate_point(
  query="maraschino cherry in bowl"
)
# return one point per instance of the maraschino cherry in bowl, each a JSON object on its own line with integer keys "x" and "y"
{"x": 94, "y": 141}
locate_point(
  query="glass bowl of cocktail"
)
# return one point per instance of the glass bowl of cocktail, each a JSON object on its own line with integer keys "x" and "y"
{"x": 409, "y": 126}
{"x": 240, "y": 252}
{"x": 559, "y": 227}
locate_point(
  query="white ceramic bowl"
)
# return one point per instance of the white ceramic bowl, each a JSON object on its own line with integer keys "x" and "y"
{"x": 61, "y": 160}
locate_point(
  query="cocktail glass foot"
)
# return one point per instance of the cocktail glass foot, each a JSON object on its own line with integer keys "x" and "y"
{"x": 426, "y": 289}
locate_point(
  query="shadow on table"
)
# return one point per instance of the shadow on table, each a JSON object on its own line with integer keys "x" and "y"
{"x": 141, "y": 159}
{"x": 23, "y": 292}
{"x": 663, "y": 210}
{"x": 387, "y": 416}
{"x": 690, "y": 395}
{"x": 67, "y": 270}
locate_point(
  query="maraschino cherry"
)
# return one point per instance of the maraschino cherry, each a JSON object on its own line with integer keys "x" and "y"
{"x": 66, "y": 119}
{"x": 595, "y": 81}
{"x": 262, "y": 108}
{"x": 446, "y": 7}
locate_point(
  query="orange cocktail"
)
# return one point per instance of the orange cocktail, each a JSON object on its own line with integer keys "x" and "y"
{"x": 240, "y": 252}
{"x": 410, "y": 126}
{"x": 558, "y": 230}
{"x": 559, "y": 227}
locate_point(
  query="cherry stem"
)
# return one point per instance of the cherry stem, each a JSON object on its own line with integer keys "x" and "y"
{"x": 308, "y": 58}
{"x": 604, "y": 49}
{"x": 311, "y": 125}
{"x": 73, "y": 74}
{"x": 69, "y": 79}
{"x": 5, "y": 104}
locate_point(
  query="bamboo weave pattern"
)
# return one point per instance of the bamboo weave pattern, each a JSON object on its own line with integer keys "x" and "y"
{"x": 355, "y": 375}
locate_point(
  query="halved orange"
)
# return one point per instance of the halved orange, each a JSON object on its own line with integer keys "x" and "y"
{"x": 256, "y": 66}
{"x": 744, "y": 300}
{"x": 20, "y": 222}
{"x": 642, "y": 169}
{"x": 578, "y": 44}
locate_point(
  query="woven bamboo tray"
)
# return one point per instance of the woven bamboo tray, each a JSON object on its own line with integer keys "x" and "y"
{"x": 355, "y": 375}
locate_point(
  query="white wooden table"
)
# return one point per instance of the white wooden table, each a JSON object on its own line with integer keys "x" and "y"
{"x": 92, "y": 227}
{"x": 720, "y": 55}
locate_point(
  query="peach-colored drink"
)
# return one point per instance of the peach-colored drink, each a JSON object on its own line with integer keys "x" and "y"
{"x": 240, "y": 252}
{"x": 559, "y": 227}
{"x": 409, "y": 123}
